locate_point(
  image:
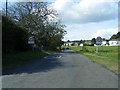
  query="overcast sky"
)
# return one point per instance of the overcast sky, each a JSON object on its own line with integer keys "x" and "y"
{"x": 87, "y": 19}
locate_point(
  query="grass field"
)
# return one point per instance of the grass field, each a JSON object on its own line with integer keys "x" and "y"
{"x": 107, "y": 55}
{"x": 12, "y": 60}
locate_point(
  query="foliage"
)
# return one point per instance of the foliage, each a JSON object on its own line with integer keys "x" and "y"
{"x": 14, "y": 38}
{"x": 81, "y": 41}
{"x": 68, "y": 40}
{"x": 103, "y": 39}
{"x": 93, "y": 41}
{"x": 88, "y": 44}
{"x": 115, "y": 36}
{"x": 40, "y": 21}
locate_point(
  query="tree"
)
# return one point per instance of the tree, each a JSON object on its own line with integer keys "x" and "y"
{"x": 14, "y": 38}
{"x": 115, "y": 36}
{"x": 118, "y": 34}
{"x": 80, "y": 42}
{"x": 103, "y": 39}
{"x": 39, "y": 21}
{"x": 93, "y": 41}
{"x": 68, "y": 40}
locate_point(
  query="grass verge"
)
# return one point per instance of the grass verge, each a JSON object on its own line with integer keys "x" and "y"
{"x": 12, "y": 60}
{"x": 107, "y": 55}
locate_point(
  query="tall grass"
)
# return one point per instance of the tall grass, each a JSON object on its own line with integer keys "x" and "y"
{"x": 107, "y": 55}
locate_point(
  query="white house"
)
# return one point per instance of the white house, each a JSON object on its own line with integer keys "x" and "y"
{"x": 114, "y": 42}
{"x": 68, "y": 44}
{"x": 75, "y": 44}
{"x": 81, "y": 44}
{"x": 87, "y": 42}
{"x": 105, "y": 43}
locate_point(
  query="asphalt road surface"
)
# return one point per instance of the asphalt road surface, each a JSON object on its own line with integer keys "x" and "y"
{"x": 61, "y": 70}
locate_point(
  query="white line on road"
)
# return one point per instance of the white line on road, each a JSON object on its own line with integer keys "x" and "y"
{"x": 48, "y": 57}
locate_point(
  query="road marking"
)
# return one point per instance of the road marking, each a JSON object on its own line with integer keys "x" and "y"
{"x": 45, "y": 57}
{"x": 59, "y": 56}
{"x": 48, "y": 57}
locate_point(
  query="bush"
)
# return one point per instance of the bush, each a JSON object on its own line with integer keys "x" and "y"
{"x": 88, "y": 44}
{"x": 14, "y": 38}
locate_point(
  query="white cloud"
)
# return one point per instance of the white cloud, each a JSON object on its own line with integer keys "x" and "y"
{"x": 86, "y": 10}
{"x": 78, "y": 31}
{"x": 105, "y": 33}
{"x": 88, "y": 18}
{"x": 88, "y": 31}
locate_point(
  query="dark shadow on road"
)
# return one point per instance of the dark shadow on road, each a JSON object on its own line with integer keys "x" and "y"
{"x": 40, "y": 65}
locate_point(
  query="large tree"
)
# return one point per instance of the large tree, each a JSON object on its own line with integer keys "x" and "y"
{"x": 115, "y": 36}
{"x": 40, "y": 21}
{"x": 93, "y": 41}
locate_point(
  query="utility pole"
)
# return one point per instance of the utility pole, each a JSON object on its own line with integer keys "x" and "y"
{"x": 6, "y": 7}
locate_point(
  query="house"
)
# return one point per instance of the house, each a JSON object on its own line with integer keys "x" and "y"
{"x": 105, "y": 43}
{"x": 81, "y": 44}
{"x": 87, "y": 42}
{"x": 114, "y": 42}
{"x": 68, "y": 43}
{"x": 75, "y": 44}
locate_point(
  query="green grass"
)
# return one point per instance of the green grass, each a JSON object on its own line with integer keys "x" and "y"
{"x": 107, "y": 55}
{"x": 12, "y": 60}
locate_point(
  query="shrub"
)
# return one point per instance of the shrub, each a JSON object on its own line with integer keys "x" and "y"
{"x": 14, "y": 38}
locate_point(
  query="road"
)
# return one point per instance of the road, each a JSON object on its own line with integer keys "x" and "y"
{"x": 61, "y": 70}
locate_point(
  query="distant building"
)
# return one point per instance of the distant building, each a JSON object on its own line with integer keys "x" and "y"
{"x": 114, "y": 42}
{"x": 87, "y": 42}
{"x": 81, "y": 44}
{"x": 68, "y": 43}
{"x": 105, "y": 43}
{"x": 75, "y": 44}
